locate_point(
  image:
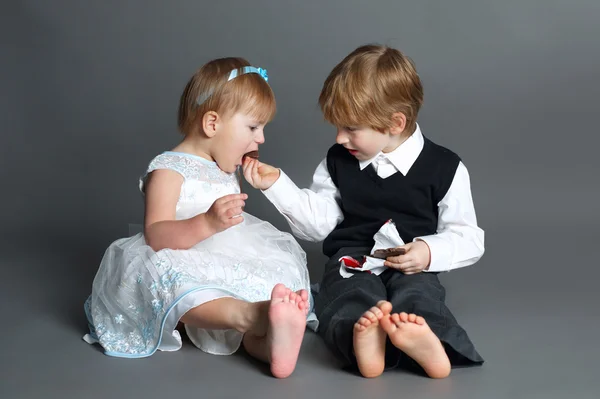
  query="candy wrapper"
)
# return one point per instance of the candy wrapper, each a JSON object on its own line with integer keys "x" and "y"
{"x": 386, "y": 237}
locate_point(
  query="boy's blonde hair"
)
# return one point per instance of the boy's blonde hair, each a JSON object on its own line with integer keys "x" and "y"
{"x": 248, "y": 93}
{"x": 369, "y": 86}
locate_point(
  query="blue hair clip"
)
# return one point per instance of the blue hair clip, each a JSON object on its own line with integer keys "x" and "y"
{"x": 263, "y": 72}
{"x": 248, "y": 69}
{"x": 234, "y": 74}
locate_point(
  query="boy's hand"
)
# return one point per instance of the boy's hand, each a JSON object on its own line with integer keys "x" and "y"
{"x": 415, "y": 260}
{"x": 259, "y": 175}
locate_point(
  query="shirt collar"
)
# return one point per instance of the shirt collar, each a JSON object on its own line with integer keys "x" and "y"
{"x": 404, "y": 156}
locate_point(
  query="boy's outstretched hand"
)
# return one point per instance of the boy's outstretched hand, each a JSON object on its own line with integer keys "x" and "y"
{"x": 415, "y": 260}
{"x": 259, "y": 175}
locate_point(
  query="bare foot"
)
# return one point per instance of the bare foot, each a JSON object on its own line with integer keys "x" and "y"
{"x": 369, "y": 340}
{"x": 411, "y": 334}
{"x": 287, "y": 322}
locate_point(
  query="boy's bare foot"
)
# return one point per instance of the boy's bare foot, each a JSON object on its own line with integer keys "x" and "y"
{"x": 369, "y": 340}
{"x": 287, "y": 322}
{"x": 411, "y": 334}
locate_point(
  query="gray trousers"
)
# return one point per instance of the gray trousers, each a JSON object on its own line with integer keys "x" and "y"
{"x": 340, "y": 302}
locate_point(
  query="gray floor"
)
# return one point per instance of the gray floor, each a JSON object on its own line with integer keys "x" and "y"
{"x": 89, "y": 95}
{"x": 526, "y": 305}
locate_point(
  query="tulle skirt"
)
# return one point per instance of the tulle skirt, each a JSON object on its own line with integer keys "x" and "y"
{"x": 139, "y": 295}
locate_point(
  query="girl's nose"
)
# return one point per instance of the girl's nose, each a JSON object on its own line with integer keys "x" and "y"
{"x": 260, "y": 137}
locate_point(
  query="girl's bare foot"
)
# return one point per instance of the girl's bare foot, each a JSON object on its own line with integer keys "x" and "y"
{"x": 411, "y": 334}
{"x": 287, "y": 322}
{"x": 369, "y": 340}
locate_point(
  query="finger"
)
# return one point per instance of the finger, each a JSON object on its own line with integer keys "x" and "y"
{"x": 231, "y": 197}
{"x": 263, "y": 167}
{"x": 233, "y": 212}
{"x": 224, "y": 208}
{"x": 236, "y": 220}
{"x": 402, "y": 266}
{"x": 249, "y": 175}
{"x": 225, "y": 200}
{"x": 391, "y": 265}
{"x": 399, "y": 259}
{"x": 407, "y": 266}
{"x": 399, "y": 265}
{"x": 246, "y": 168}
{"x": 236, "y": 204}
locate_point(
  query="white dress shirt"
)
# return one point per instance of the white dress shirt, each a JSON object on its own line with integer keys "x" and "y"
{"x": 315, "y": 212}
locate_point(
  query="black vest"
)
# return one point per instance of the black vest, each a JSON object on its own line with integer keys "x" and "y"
{"x": 368, "y": 201}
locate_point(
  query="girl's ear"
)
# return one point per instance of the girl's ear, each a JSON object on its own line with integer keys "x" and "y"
{"x": 210, "y": 123}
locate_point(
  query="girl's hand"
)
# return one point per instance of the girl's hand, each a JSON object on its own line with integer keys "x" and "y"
{"x": 415, "y": 260}
{"x": 259, "y": 175}
{"x": 226, "y": 212}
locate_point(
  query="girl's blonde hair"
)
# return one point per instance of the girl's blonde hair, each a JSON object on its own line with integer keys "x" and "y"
{"x": 210, "y": 90}
{"x": 370, "y": 85}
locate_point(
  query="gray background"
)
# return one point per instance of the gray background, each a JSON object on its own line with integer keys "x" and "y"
{"x": 89, "y": 96}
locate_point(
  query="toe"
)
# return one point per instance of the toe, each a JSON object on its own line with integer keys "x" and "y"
{"x": 385, "y": 307}
{"x": 363, "y": 321}
{"x": 412, "y": 317}
{"x": 376, "y": 311}
{"x": 403, "y": 317}
{"x": 304, "y": 295}
{"x": 370, "y": 316}
{"x": 387, "y": 324}
{"x": 279, "y": 291}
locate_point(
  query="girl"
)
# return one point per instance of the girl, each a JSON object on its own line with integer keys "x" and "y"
{"x": 231, "y": 278}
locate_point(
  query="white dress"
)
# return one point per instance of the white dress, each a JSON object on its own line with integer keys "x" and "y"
{"x": 139, "y": 295}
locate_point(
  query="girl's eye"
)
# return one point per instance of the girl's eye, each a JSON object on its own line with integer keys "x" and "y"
{"x": 253, "y": 128}
{"x": 350, "y": 128}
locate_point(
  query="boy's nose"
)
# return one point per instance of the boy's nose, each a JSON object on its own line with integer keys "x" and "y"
{"x": 341, "y": 137}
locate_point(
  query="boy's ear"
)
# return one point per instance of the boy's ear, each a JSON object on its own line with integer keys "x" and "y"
{"x": 210, "y": 123}
{"x": 398, "y": 123}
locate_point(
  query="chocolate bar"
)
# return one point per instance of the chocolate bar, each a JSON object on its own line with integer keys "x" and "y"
{"x": 252, "y": 154}
{"x": 386, "y": 253}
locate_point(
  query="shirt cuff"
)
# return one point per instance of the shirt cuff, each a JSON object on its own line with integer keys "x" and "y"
{"x": 280, "y": 191}
{"x": 440, "y": 252}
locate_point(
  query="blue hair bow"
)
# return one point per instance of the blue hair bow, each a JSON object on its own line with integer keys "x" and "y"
{"x": 248, "y": 69}
{"x": 234, "y": 74}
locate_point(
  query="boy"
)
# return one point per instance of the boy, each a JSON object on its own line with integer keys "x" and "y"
{"x": 383, "y": 168}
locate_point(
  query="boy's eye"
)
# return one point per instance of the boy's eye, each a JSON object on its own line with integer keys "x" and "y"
{"x": 253, "y": 128}
{"x": 350, "y": 128}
